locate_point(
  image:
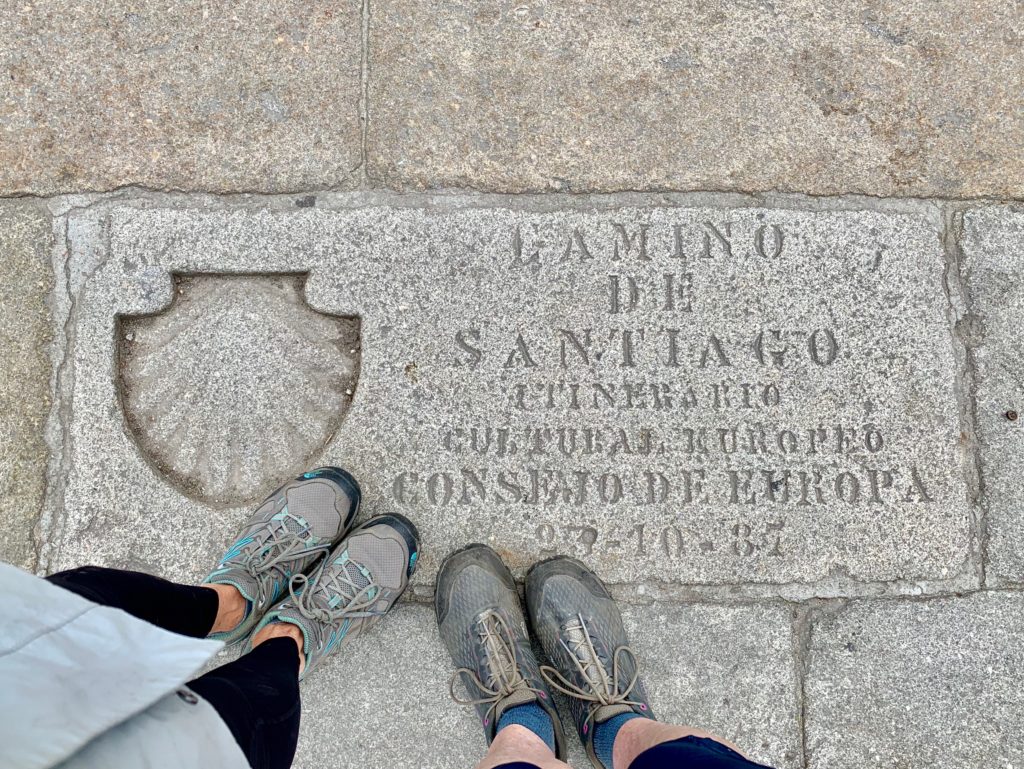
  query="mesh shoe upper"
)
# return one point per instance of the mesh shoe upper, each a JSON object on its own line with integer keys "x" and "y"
{"x": 352, "y": 589}
{"x": 294, "y": 526}
{"x": 481, "y": 622}
{"x": 580, "y": 629}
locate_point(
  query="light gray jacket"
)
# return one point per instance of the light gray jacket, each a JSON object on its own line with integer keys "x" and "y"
{"x": 88, "y": 686}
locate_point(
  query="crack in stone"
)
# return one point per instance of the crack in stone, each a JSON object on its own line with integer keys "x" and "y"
{"x": 364, "y": 98}
{"x": 964, "y": 332}
{"x": 59, "y": 438}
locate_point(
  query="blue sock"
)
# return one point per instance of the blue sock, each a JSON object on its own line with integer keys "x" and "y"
{"x": 534, "y": 718}
{"x": 605, "y": 733}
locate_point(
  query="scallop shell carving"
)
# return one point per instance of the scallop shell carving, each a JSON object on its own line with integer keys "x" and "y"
{"x": 236, "y": 386}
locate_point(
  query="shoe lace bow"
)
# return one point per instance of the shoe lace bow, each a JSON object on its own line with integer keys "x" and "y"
{"x": 600, "y": 688}
{"x": 504, "y": 678}
{"x": 266, "y": 559}
{"x": 357, "y": 597}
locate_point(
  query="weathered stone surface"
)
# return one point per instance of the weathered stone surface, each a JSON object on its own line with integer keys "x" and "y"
{"x": 26, "y": 279}
{"x": 678, "y": 395}
{"x": 383, "y": 702}
{"x": 882, "y": 98}
{"x": 244, "y": 96}
{"x": 993, "y": 241}
{"x": 238, "y": 385}
{"x": 729, "y": 670}
{"x": 914, "y": 684}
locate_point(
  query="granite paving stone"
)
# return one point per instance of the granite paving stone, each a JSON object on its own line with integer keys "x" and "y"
{"x": 880, "y": 97}
{"x": 26, "y": 279}
{"x": 383, "y": 701}
{"x": 729, "y": 670}
{"x": 681, "y": 395}
{"x": 993, "y": 242}
{"x": 933, "y": 683}
{"x": 255, "y": 95}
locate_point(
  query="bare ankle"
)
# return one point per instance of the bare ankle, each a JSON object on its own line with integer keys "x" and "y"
{"x": 231, "y": 607}
{"x": 283, "y": 630}
{"x": 517, "y": 743}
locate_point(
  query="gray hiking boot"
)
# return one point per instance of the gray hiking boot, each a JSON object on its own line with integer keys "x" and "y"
{"x": 580, "y": 629}
{"x": 354, "y": 587}
{"x": 296, "y": 525}
{"x": 481, "y": 623}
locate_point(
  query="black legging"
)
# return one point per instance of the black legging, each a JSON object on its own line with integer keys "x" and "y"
{"x": 257, "y": 695}
{"x": 684, "y": 753}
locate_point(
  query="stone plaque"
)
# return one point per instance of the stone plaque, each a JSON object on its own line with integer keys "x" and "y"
{"x": 993, "y": 243}
{"x": 676, "y": 395}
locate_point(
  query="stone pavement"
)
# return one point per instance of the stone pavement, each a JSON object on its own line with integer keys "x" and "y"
{"x": 550, "y": 276}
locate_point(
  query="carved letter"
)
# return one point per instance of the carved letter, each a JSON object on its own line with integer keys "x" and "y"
{"x": 773, "y": 353}
{"x": 657, "y": 487}
{"x": 401, "y": 491}
{"x": 714, "y": 346}
{"x": 776, "y": 241}
{"x": 472, "y": 481}
{"x": 723, "y": 239}
{"x": 576, "y": 243}
{"x": 517, "y": 252}
{"x": 848, "y": 488}
{"x": 523, "y": 352}
{"x": 678, "y": 287}
{"x": 639, "y": 241}
{"x": 580, "y": 347}
{"x": 631, "y": 299}
{"x": 476, "y": 354}
{"x": 916, "y": 488}
{"x": 823, "y": 347}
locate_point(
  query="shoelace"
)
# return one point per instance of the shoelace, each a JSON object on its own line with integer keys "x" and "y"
{"x": 601, "y": 689}
{"x": 358, "y": 599}
{"x": 503, "y": 672}
{"x": 286, "y": 545}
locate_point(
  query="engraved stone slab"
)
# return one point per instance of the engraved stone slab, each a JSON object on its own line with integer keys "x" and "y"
{"x": 26, "y": 279}
{"x": 250, "y": 95}
{"x": 993, "y": 246}
{"x": 697, "y": 667}
{"x": 678, "y": 395}
{"x": 912, "y": 684}
{"x": 886, "y": 98}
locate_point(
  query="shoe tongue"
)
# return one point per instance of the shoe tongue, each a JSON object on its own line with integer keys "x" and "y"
{"x": 610, "y": 711}
{"x": 294, "y": 524}
{"x": 518, "y": 697}
{"x": 356, "y": 575}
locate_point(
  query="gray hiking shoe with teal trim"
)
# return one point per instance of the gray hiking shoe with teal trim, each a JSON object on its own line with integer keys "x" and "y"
{"x": 296, "y": 525}
{"x": 579, "y": 626}
{"x": 481, "y": 622}
{"x": 352, "y": 589}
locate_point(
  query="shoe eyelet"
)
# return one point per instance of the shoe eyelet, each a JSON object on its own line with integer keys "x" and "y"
{"x": 586, "y": 728}
{"x": 643, "y": 707}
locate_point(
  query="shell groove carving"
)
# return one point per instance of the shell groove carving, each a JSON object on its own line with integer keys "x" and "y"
{"x": 236, "y": 386}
